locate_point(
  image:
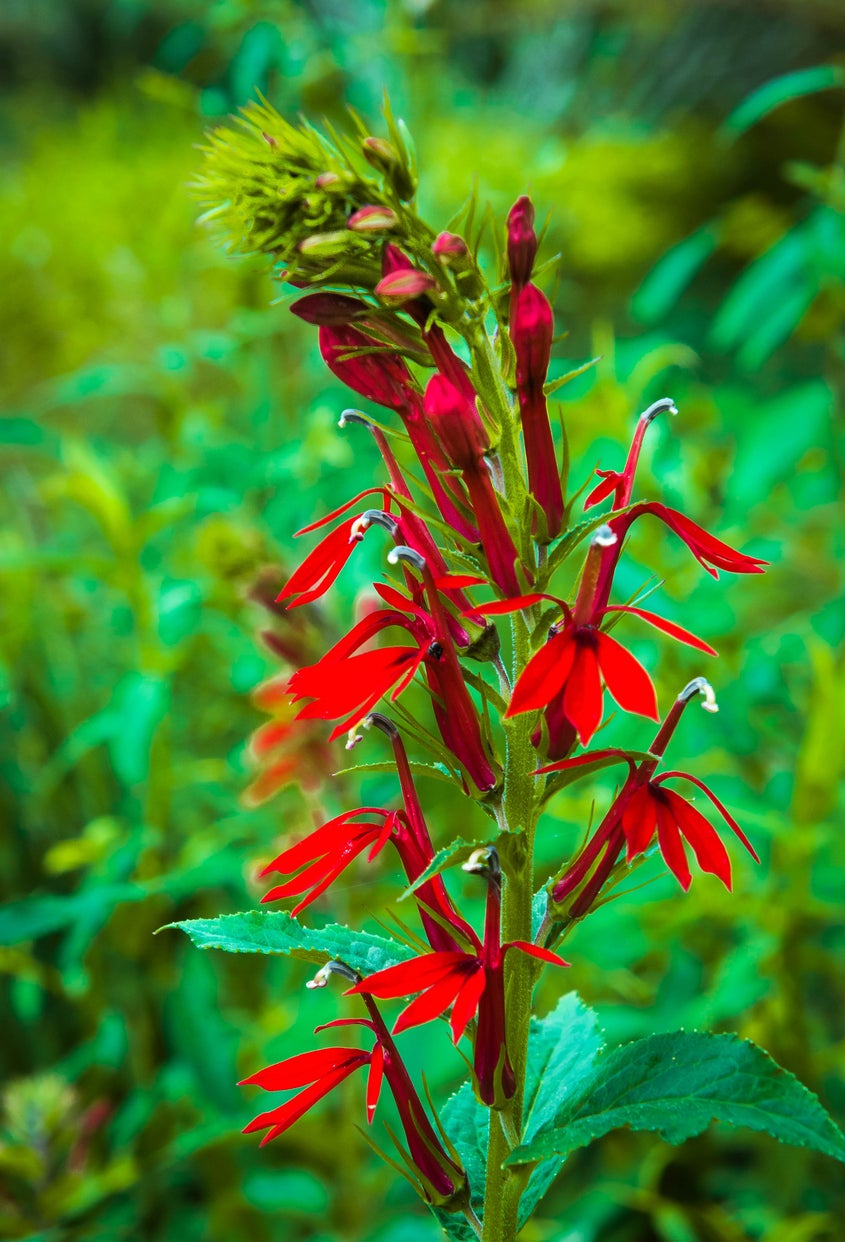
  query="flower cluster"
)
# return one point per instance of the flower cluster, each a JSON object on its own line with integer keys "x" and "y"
{"x": 479, "y": 529}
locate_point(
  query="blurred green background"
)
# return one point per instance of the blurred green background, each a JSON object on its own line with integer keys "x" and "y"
{"x": 166, "y": 427}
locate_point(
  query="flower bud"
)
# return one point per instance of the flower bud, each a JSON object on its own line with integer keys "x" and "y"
{"x": 449, "y": 246}
{"x": 404, "y": 286}
{"x": 522, "y": 241}
{"x": 456, "y": 423}
{"x": 325, "y": 243}
{"x": 383, "y": 156}
{"x": 373, "y": 219}
{"x": 330, "y": 308}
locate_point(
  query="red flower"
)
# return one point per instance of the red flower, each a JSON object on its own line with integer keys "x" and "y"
{"x": 347, "y": 683}
{"x": 319, "y": 1072}
{"x": 470, "y": 983}
{"x": 531, "y": 329}
{"x": 438, "y": 1177}
{"x": 456, "y": 421}
{"x": 651, "y": 808}
{"x": 575, "y": 661}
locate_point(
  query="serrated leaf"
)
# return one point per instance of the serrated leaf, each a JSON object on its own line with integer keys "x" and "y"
{"x": 275, "y": 931}
{"x": 455, "y": 852}
{"x": 555, "y": 384}
{"x": 468, "y": 1125}
{"x": 676, "y": 1085}
{"x": 562, "y": 1048}
{"x": 384, "y": 765}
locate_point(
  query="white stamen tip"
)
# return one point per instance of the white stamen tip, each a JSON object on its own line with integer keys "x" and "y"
{"x": 700, "y": 685}
{"x": 604, "y": 537}
{"x": 352, "y": 739}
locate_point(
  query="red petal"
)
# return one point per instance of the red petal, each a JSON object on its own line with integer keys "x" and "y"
{"x": 300, "y": 1070}
{"x": 639, "y": 821}
{"x": 668, "y": 627}
{"x": 374, "y": 1080}
{"x": 626, "y": 679}
{"x": 412, "y": 976}
{"x": 610, "y": 480}
{"x": 562, "y": 765}
{"x": 516, "y": 603}
{"x": 432, "y": 1003}
{"x": 534, "y": 950}
{"x": 707, "y": 845}
{"x": 671, "y": 846}
{"x": 335, "y": 513}
{"x": 544, "y": 674}
{"x": 280, "y": 1119}
{"x": 321, "y": 566}
{"x": 723, "y": 811}
{"x": 466, "y": 1002}
{"x": 329, "y": 836}
{"x": 582, "y": 698}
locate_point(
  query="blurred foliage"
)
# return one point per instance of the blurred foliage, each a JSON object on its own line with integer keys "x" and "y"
{"x": 165, "y": 429}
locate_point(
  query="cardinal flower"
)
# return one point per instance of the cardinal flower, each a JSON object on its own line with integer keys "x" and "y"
{"x": 577, "y": 660}
{"x": 437, "y": 1173}
{"x": 642, "y": 809}
{"x": 470, "y": 983}
{"x": 315, "y": 862}
{"x": 347, "y": 683}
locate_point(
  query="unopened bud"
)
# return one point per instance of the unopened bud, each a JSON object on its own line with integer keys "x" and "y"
{"x": 383, "y": 156}
{"x": 522, "y": 241}
{"x": 326, "y": 179}
{"x": 325, "y": 243}
{"x": 373, "y": 219}
{"x": 448, "y": 246}
{"x": 330, "y": 308}
{"x": 403, "y": 286}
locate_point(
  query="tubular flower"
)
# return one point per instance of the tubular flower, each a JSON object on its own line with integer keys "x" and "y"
{"x": 532, "y": 328}
{"x": 437, "y": 1175}
{"x": 643, "y": 809}
{"x": 469, "y": 983}
{"x": 577, "y": 658}
{"x": 385, "y": 379}
{"x": 456, "y": 421}
{"x": 313, "y": 577}
{"x": 347, "y": 683}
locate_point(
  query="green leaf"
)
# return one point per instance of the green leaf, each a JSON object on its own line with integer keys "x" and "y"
{"x": 468, "y": 1125}
{"x": 670, "y": 276}
{"x": 457, "y": 851}
{"x": 780, "y": 91}
{"x": 274, "y": 931}
{"x": 139, "y": 704}
{"x": 676, "y": 1085}
{"x": 562, "y": 1048}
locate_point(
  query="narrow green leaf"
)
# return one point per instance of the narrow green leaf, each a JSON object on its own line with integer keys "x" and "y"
{"x": 676, "y": 1085}
{"x": 274, "y": 931}
{"x": 670, "y": 276}
{"x": 780, "y": 91}
{"x": 457, "y": 851}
